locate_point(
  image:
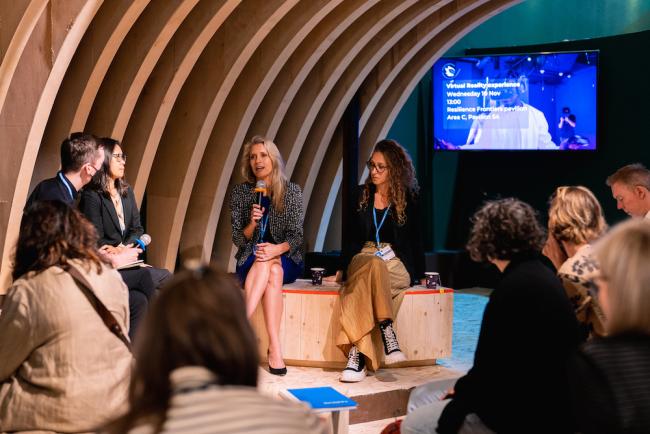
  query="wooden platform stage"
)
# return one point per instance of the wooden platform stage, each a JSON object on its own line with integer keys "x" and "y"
{"x": 382, "y": 396}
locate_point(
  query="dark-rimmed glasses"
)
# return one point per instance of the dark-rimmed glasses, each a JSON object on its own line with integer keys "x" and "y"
{"x": 378, "y": 167}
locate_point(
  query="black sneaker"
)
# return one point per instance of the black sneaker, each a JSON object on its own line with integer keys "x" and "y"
{"x": 355, "y": 371}
{"x": 391, "y": 348}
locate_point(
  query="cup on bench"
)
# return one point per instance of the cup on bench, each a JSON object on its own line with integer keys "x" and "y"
{"x": 317, "y": 276}
{"x": 433, "y": 280}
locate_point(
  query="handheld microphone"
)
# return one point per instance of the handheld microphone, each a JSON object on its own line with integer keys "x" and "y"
{"x": 260, "y": 189}
{"x": 143, "y": 241}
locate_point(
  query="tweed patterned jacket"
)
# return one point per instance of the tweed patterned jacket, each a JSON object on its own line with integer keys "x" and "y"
{"x": 284, "y": 226}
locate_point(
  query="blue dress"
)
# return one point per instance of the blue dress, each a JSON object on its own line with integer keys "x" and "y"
{"x": 291, "y": 270}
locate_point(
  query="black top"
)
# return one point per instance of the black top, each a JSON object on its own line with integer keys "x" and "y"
{"x": 519, "y": 379}
{"x": 99, "y": 209}
{"x": 610, "y": 379}
{"x": 58, "y": 188}
{"x": 406, "y": 240}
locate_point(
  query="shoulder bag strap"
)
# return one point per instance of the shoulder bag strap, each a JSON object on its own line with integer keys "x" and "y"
{"x": 106, "y": 316}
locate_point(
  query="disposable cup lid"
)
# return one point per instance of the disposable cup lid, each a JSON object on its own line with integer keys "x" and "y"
{"x": 432, "y": 273}
{"x": 317, "y": 269}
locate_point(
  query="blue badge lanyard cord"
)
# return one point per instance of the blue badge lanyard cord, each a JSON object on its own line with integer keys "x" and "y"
{"x": 378, "y": 227}
{"x": 65, "y": 182}
{"x": 264, "y": 223}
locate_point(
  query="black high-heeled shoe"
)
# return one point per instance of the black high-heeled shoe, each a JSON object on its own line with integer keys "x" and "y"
{"x": 275, "y": 371}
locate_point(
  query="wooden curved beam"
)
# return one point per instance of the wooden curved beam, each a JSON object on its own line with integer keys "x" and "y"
{"x": 30, "y": 96}
{"x": 424, "y": 52}
{"x": 231, "y": 126}
{"x": 192, "y": 121}
{"x": 151, "y": 113}
{"x": 132, "y": 66}
{"x": 83, "y": 78}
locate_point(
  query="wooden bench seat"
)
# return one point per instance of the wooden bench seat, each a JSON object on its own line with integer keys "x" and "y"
{"x": 310, "y": 326}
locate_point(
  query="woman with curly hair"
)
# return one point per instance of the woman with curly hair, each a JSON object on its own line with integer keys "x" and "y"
{"x": 575, "y": 220}
{"x": 518, "y": 382}
{"x": 383, "y": 257}
{"x": 61, "y": 368}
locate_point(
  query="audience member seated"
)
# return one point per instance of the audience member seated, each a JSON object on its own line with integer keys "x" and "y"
{"x": 631, "y": 189}
{"x": 611, "y": 375}
{"x": 61, "y": 367}
{"x": 383, "y": 257}
{"x": 197, "y": 367}
{"x": 268, "y": 236}
{"x": 109, "y": 203}
{"x": 575, "y": 219}
{"x": 518, "y": 383}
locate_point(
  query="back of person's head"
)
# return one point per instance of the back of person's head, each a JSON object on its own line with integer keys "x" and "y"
{"x": 575, "y": 215}
{"x": 505, "y": 229}
{"x": 78, "y": 149}
{"x": 52, "y": 233}
{"x": 101, "y": 180}
{"x": 632, "y": 175}
{"x": 199, "y": 319}
{"x": 624, "y": 257}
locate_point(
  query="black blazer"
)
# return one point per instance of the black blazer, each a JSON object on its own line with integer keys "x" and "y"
{"x": 99, "y": 209}
{"x": 407, "y": 238}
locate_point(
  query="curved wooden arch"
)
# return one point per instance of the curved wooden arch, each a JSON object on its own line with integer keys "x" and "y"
{"x": 395, "y": 78}
{"x": 28, "y": 103}
{"x": 183, "y": 83}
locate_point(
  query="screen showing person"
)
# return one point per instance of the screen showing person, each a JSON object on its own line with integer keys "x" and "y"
{"x": 511, "y": 102}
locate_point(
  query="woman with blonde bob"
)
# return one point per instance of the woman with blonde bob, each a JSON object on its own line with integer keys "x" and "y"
{"x": 611, "y": 375}
{"x": 268, "y": 236}
{"x": 575, "y": 220}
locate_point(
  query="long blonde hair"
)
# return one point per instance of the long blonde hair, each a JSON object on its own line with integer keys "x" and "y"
{"x": 624, "y": 255}
{"x": 575, "y": 215}
{"x": 279, "y": 181}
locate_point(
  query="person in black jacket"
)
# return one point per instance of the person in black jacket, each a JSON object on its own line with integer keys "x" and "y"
{"x": 383, "y": 257}
{"x": 518, "y": 383}
{"x": 610, "y": 376}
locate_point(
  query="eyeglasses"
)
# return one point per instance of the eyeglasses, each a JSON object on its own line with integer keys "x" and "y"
{"x": 120, "y": 157}
{"x": 95, "y": 169}
{"x": 378, "y": 167}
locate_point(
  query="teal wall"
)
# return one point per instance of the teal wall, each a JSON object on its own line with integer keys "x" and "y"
{"x": 531, "y": 22}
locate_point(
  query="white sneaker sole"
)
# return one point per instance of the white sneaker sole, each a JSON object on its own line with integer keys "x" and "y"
{"x": 394, "y": 357}
{"x": 349, "y": 376}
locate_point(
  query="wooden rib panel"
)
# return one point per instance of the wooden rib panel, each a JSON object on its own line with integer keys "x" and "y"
{"x": 82, "y": 80}
{"x": 159, "y": 95}
{"x": 132, "y": 66}
{"x": 408, "y": 50}
{"x": 192, "y": 120}
{"x": 28, "y": 103}
{"x": 228, "y": 133}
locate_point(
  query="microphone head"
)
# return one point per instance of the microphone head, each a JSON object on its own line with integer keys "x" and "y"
{"x": 260, "y": 187}
{"x": 146, "y": 239}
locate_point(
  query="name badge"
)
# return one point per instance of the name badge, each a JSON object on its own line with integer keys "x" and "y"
{"x": 386, "y": 253}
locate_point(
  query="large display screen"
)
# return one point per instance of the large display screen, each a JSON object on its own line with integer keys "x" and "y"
{"x": 535, "y": 101}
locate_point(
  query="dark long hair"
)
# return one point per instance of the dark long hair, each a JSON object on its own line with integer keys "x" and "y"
{"x": 52, "y": 233}
{"x": 402, "y": 184}
{"x": 102, "y": 179}
{"x": 199, "y": 319}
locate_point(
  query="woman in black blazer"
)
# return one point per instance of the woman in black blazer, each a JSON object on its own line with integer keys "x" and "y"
{"x": 383, "y": 257}
{"x": 109, "y": 203}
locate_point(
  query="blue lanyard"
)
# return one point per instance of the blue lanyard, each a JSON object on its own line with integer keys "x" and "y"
{"x": 65, "y": 182}
{"x": 374, "y": 218}
{"x": 264, "y": 222}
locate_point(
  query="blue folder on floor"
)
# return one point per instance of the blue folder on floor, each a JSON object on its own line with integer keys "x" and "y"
{"x": 321, "y": 399}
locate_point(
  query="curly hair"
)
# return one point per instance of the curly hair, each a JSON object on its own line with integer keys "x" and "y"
{"x": 575, "y": 215}
{"x": 402, "y": 181}
{"x": 503, "y": 229}
{"x": 52, "y": 234}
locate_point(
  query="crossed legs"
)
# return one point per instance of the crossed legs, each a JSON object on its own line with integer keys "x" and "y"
{"x": 264, "y": 283}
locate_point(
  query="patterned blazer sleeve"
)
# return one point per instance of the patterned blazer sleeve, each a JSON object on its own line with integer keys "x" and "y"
{"x": 239, "y": 215}
{"x": 294, "y": 221}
